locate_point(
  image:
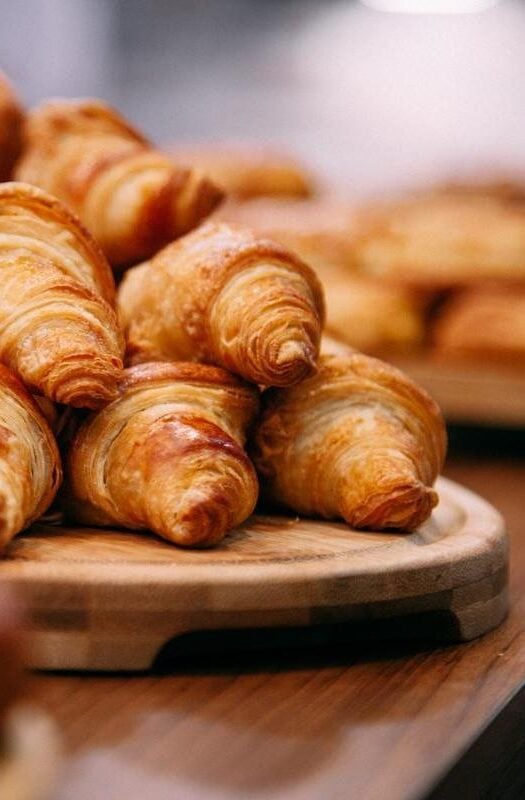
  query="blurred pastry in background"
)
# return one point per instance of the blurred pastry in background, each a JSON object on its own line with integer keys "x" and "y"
{"x": 510, "y": 189}
{"x": 11, "y": 117}
{"x": 320, "y": 231}
{"x": 373, "y": 317}
{"x": 486, "y": 323}
{"x": 243, "y": 170}
{"x": 443, "y": 240}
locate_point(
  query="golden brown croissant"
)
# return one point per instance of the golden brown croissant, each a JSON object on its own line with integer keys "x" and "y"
{"x": 30, "y": 470}
{"x": 11, "y": 117}
{"x": 246, "y": 170}
{"x": 131, "y": 197}
{"x": 58, "y": 330}
{"x": 167, "y": 455}
{"x": 483, "y": 323}
{"x": 442, "y": 240}
{"x": 223, "y": 296}
{"x": 358, "y": 440}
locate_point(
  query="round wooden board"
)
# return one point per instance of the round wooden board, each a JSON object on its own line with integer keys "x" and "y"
{"x": 108, "y": 599}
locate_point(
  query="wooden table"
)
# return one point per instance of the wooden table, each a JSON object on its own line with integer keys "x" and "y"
{"x": 341, "y": 720}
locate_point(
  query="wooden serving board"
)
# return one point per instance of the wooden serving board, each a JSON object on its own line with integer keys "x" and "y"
{"x": 472, "y": 393}
{"x": 110, "y": 600}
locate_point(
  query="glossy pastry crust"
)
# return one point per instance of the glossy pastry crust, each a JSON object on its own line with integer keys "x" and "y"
{"x": 221, "y": 295}
{"x": 442, "y": 240}
{"x": 486, "y": 323}
{"x": 167, "y": 455}
{"x": 358, "y": 440}
{"x": 30, "y": 469}
{"x": 131, "y": 197}
{"x": 58, "y": 329}
{"x": 11, "y": 119}
{"x": 246, "y": 171}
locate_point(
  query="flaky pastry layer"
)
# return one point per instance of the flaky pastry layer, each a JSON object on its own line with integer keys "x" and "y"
{"x": 224, "y": 296}
{"x": 358, "y": 440}
{"x": 167, "y": 455}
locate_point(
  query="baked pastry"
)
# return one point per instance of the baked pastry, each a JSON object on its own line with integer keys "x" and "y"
{"x": 442, "y": 240}
{"x": 485, "y": 323}
{"x": 11, "y": 117}
{"x": 509, "y": 189}
{"x": 246, "y": 170}
{"x": 371, "y": 316}
{"x": 167, "y": 455}
{"x": 30, "y": 470}
{"x": 131, "y": 197}
{"x": 224, "y": 296}
{"x": 58, "y": 329}
{"x": 358, "y": 440}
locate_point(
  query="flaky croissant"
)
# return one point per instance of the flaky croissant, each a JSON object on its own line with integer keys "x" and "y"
{"x": 11, "y": 118}
{"x": 58, "y": 329}
{"x": 30, "y": 469}
{"x": 359, "y": 440}
{"x": 224, "y": 296}
{"x": 167, "y": 455}
{"x": 131, "y": 197}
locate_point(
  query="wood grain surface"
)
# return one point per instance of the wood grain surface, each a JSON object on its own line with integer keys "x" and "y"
{"x": 347, "y": 719}
{"x": 104, "y": 599}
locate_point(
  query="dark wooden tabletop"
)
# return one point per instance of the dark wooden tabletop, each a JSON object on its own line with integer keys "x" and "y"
{"x": 338, "y": 718}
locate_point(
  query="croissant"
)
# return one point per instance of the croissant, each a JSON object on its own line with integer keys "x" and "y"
{"x": 30, "y": 470}
{"x": 358, "y": 440}
{"x": 224, "y": 296}
{"x": 11, "y": 118}
{"x": 58, "y": 329}
{"x": 441, "y": 240}
{"x": 167, "y": 455}
{"x": 485, "y": 323}
{"x": 131, "y": 197}
{"x": 245, "y": 170}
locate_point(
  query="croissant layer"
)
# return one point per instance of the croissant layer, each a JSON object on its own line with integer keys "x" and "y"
{"x": 358, "y": 440}
{"x": 133, "y": 198}
{"x": 223, "y": 296}
{"x": 167, "y": 455}
{"x": 30, "y": 469}
{"x": 58, "y": 329}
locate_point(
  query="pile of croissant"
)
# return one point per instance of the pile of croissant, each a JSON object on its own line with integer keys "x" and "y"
{"x": 171, "y": 402}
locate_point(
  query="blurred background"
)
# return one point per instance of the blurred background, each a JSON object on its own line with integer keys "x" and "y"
{"x": 374, "y": 100}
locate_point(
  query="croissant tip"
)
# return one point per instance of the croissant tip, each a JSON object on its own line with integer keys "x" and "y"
{"x": 404, "y": 508}
{"x": 293, "y": 363}
{"x": 87, "y": 394}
